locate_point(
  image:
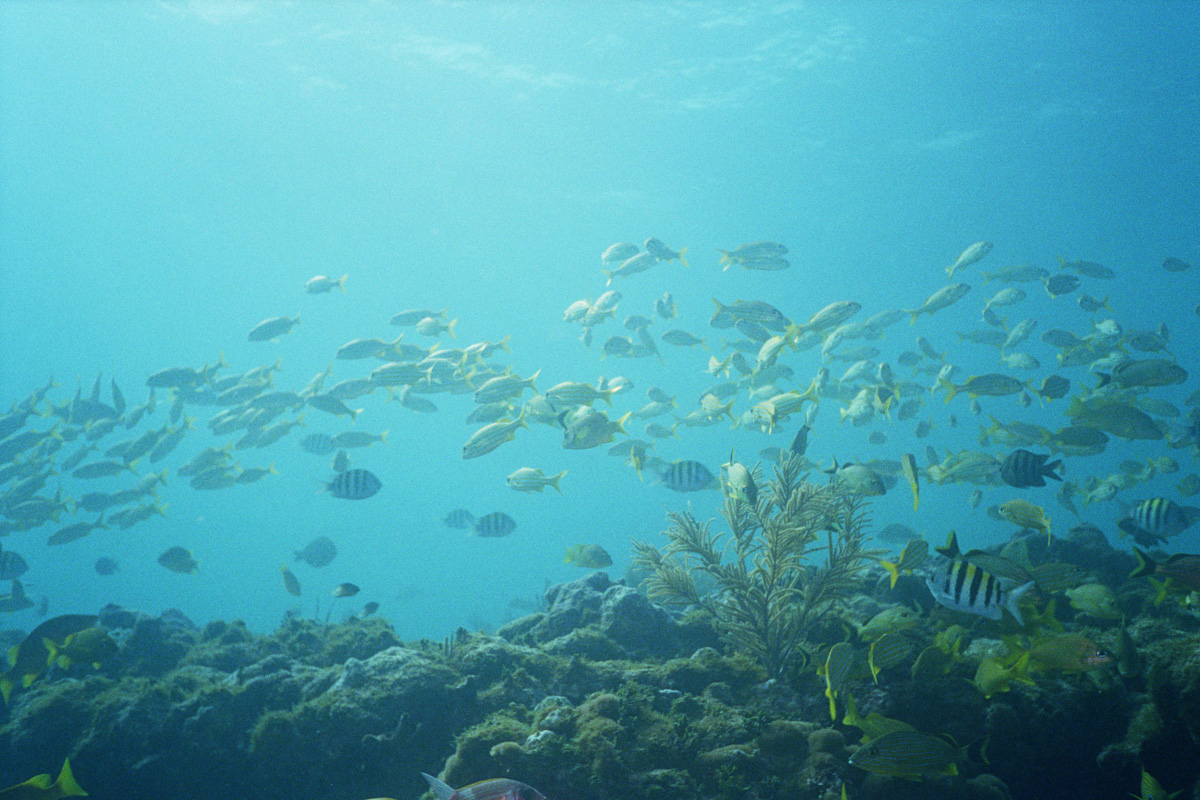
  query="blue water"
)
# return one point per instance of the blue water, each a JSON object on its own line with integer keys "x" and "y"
{"x": 172, "y": 173}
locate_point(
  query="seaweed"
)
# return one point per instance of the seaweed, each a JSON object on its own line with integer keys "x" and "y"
{"x": 759, "y": 582}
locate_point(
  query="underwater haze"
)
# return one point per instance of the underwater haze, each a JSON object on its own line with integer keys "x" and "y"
{"x": 173, "y": 173}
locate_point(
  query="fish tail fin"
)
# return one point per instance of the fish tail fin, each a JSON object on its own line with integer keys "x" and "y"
{"x": 1013, "y": 604}
{"x": 66, "y": 785}
{"x": 440, "y": 789}
{"x": 950, "y": 548}
{"x": 383, "y": 436}
{"x": 450, "y": 327}
{"x": 1052, "y": 469}
{"x": 341, "y": 284}
{"x": 950, "y": 388}
{"x": 609, "y": 275}
{"x": 683, "y": 260}
{"x": 625, "y": 418}
{"x": 726, "y": 259}
{"x": 893, "y": 569}
{"x": 1145, "y": 566}
{"x": 571, "y": 554}
{"x": 554, "y": 481}
{"x": 1105, "y": 379}
{"x": 976, "y": 752}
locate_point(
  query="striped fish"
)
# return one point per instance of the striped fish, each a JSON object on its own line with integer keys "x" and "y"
{"x": 494, "y": 525}
{"x": 908, "y": 754}
{"x": 1022, "y": 469}
{"x": 888, "y": 651}
{"x": 354, "y": 484}
{"x": 971, "y": 589}
{"x": 913, "y": 556}
{"x": 489, "y": 437}
{"x": 838, "y": 666}
{"x": 687, "y": 476}
{"x": 1163, "y": 518}
{"x": 499, "y": 788}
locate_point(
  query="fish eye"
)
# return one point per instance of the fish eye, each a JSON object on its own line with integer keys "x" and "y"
{"x": 1101, "y": 653}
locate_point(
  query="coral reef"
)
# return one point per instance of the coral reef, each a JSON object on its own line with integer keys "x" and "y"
{"x": 606, "y": 695}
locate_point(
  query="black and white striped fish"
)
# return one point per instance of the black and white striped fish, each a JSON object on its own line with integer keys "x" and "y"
{"x": 354, "y": 484}
{"x": 965, "y": 587}
{"x": 1023, "y": 469}
{"x": 1157, "y": 519}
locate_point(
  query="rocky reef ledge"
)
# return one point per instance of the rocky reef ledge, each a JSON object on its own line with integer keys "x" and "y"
{"x": 602, "y": 696}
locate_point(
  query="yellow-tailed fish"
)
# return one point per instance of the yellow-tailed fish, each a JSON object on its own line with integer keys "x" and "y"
{"x": 838, "y": 666}
{"x": 914, "y": 555}
{"x": 909, "y": 754}
{"x": 888, "y": 651}
{"x": 1027, "y": 515}
{"x": 873, "y": 725}
{"x": 908, "y": 463}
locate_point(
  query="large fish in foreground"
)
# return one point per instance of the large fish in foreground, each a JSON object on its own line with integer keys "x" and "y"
{"x": 493, "y": 789}
{"x": 971, "y": 589}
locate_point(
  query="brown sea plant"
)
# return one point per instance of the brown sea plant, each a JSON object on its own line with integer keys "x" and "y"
{"x": 792, "y": 551}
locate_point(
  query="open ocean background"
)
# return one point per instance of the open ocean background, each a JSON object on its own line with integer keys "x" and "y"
{"x": 171, "y": 173}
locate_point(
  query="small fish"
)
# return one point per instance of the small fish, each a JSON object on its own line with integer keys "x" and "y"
{"x": 106, "y": 566}
{"x": 414, "y": 315}
{"x": 459, "y": 519}
{"x": 1163, "y": 518}
{"x": 350, "y": 439}
{"x": 1060, "y": 284}
{"x": 320, "y": 284}
{"x": 1095, "y": 600}
{"x": 290, "y": 582}
{"x": 1054, "y": 387}
{"x": 341, "y": 461}
{"x": 913, "y": 556}
{"x": 888, "y": 651}
{"x": 1172, "y": 264}
{"x": 492, "y": 789}
{"x": 529, "y": 479}
{"x": 665, "y": 307}
{"x": 800, "y": 441}
{"x": 345, "y": 590}
{"x": 12, "y": 565}
{"x": 320, "y": 552}
{"x": 494, "y": 525}
{"x": 971, "y": 255}
{"x": 838, "y": 666}
{"x": 942, "y": 298}
{"x": 664, "y": 253}
{"x": 687, "y": 476}
{"x": 319, "y": 444}
{"x": 588, "y": 556}
{"x": 1068, "y": 653}
{"x": 1022, "y": 469}
{"x": 740, "y": 482}
{"x": 273, "y": 328}
{"x": 370, "y": 608}
{"x": 616, "y": 253}
{"x": 681, "y": 338}
{"x": 752, "y": 250}
{"x": 354, "y": 484}
{"x": 178, "y": 559}
{"x": 908, "y": 464}
{"x": 1026, "y": 515}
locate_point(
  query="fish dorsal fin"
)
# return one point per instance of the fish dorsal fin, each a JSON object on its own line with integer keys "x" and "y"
{"x": 950, "y": 548}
